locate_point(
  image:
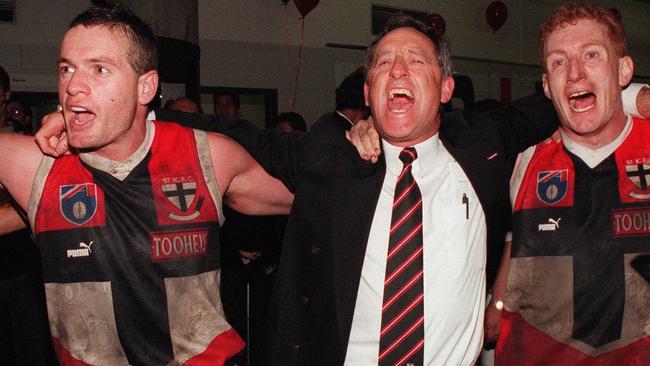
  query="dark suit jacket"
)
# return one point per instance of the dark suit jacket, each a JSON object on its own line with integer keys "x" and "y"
{"x": 335, "y": 197}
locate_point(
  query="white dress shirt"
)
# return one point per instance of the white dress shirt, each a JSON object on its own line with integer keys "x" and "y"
{"x": 454, "y": 261}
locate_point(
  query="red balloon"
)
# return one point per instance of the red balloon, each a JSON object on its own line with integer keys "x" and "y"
{"x": 305, "y": 6}
{"x": 496, "y": 14}
{"x": 437, "y": 22}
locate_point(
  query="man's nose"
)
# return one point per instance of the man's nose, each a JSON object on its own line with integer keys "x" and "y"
{"x": 399, "y": 68}
{"x": 576, "y": 69}
{"x": 77, "y": 83}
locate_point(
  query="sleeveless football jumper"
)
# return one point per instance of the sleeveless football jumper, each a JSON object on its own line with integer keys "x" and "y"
{"x": 573, "y": 298}
{"x": 130, "y": 254}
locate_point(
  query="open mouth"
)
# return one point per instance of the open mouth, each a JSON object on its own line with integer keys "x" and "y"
{"x": 582, "y": 101}
{"x": 81, "y": 116}
{"x": 400, "y": 100}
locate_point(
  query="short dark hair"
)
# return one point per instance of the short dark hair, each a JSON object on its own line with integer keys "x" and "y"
{"x": 440, "y": 44}
{"x": 234, "y": 97}
{"x": 5, "y": 82}
{"x": 349, "y": 94}
{"x": 296, "y": 121}
{"x": 143, "y": 53}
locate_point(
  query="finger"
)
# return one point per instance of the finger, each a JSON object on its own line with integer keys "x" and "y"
{"x": 47, "y": 145}
{"x": 51, "y": 134}
{"x": 376, "y": 140}
{"x": 62, "y": 147}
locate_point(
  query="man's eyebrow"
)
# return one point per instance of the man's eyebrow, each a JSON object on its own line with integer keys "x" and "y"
{"x": 107, "y": 60}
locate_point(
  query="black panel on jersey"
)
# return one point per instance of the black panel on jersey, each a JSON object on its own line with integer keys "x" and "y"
{"x": 598, "y": 256}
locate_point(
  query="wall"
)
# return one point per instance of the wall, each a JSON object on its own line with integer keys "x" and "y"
{"x": 244, "y": 43}
{"x": 253, "y": 43}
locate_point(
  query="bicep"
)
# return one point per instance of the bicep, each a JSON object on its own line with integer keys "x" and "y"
{"x": 20, "y": 160}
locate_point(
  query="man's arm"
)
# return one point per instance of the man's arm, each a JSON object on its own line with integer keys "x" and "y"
{"x": 20, "y": 160}
{"x": 493, "y": 309}
{"x": 246, "y": 187}
{"x": 10, "y": 221}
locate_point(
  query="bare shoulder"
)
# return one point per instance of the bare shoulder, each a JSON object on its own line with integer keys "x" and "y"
{"x": 229, "y": 159}
{"x": 225, "y": 149}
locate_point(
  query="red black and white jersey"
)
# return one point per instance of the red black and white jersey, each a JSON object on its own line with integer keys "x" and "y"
{"x": 573, "y": 298}
{"x": 131, "y": 260}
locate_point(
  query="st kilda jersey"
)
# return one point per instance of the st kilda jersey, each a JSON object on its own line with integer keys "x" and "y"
{"x": 573, "y": 297}
{"x": 131, "y": 260}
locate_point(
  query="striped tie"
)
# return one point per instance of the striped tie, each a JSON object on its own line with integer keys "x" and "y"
{"x": 402, "y": 320}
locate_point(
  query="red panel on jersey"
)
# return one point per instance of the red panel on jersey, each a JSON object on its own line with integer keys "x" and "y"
{"x": 65, "y": 358}
{"x": 549, "y": 179}
{"x": 529, "y": 346}
{"x": 222, "y": 347}
{"x": 181, "y": 196}
{"x": 69, "y": 191}
{"x": 633, "y": 162}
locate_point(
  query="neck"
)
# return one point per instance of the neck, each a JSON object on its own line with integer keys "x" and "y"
{"x": 601, "y": 137}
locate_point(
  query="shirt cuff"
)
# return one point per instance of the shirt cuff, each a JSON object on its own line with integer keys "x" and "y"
{"x": 629, "y": 95}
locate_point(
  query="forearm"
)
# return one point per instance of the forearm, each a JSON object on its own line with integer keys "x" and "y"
{"x": 525, "y": 122}
{"x": 501, "y": 281}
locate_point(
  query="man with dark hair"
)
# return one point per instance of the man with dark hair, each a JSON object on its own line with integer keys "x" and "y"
{"x": 226, "y": 105}
{"x": 328, "y": 301}
{"x": 350, "y": 103}
{"x": 128, "y": 232}
{"x": 289, "y": 122}
{"x": 183, "y": 104}
{"x": 581, "y": 211}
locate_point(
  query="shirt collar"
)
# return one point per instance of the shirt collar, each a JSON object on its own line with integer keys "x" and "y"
{"x": 593, "y": 157}
{"x": 346, "y": 117}
{"x": 121, "y": 169}
{"x": 428, "y": 152}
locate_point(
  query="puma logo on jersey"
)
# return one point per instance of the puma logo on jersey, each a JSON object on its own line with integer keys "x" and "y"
{"x": 83, "y": 251}
{"x": 552, "y": 225}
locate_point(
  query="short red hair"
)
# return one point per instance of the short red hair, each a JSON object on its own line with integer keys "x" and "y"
{"x": 572, "y": 13}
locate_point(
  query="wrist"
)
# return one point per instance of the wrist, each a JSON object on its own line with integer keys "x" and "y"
{"x": 497, "y": 304}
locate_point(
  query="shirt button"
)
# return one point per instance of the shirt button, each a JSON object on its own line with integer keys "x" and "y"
{"x": 295, "y": 348}
{"x": 315, "y": 249}
{"x": 305, "y": 300}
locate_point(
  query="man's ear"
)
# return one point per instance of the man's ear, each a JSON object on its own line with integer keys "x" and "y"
{"x": 147, "y": 86}
{"x": 366, "y": 90}
{"x": 447, "y": 90}
{"x": 625, "y": 70}
{"x": 545, "y": 84}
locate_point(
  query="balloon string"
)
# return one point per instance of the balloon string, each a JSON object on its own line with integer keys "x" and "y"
{"x": 302, "y": 40}
{"x": 286, "y": 42}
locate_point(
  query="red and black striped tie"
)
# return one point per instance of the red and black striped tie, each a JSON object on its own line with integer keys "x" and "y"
{"x": 401, "y": 340}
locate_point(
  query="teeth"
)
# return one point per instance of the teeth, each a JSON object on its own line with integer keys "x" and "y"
{"x": 580, "y": 110}
{"x": 577, "y": 94}
{"x": 393, "y": 92}
{"x": 78, "y": 109}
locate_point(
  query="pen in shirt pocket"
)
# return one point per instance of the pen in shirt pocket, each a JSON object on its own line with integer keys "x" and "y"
{"x": 465, "y": 201}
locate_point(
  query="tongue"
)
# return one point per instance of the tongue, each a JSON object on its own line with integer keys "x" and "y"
{"x": 399, "y": 102}
{"x": 85, "y": 117}
{"x": 584, "y": 102}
